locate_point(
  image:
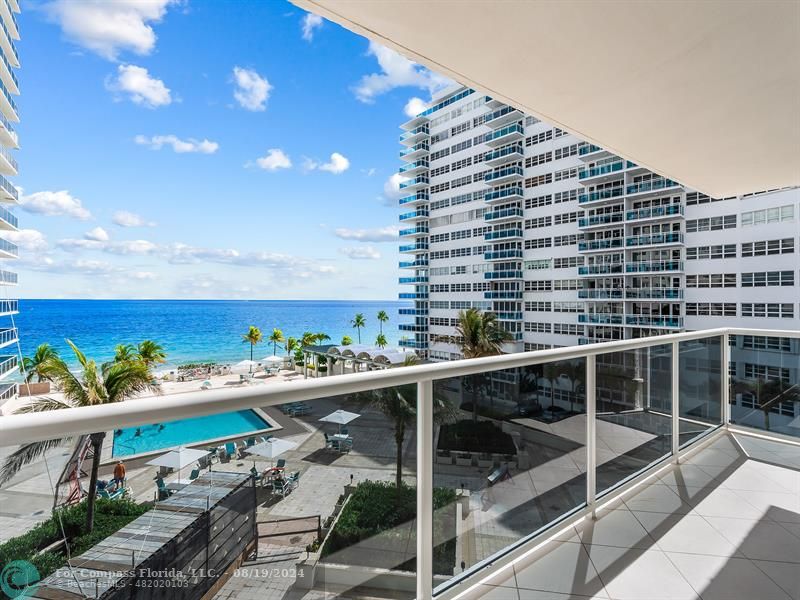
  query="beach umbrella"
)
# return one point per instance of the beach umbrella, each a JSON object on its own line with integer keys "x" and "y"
{"x": 178, "y": 458}
{"x": 340, "y": 417}
{"x": 244, "y": 366}
{"x": 272, "y": 448}
{"x": 273, "y": 359}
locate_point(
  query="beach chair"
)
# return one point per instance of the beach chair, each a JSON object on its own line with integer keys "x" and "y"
{"x": 295, "y": 479}
{"x": 346, "y": 445}
{"x": 204, "y": 462}
{"x": 224, "y": 456}
{"x": 328, "y": 443}
{"x": 281, "y": 463}
{"x": 194, "y": 474}
{"x": 120, "y": 492}
{"x": 230, "y": 450}
{"x": 251, "y": 441}
{"x": 242, "y": 449}
{"x": 345, "y": 431}
{"x": 163, "y": 492}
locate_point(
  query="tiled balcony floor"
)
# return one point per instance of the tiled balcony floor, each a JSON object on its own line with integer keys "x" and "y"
{"x": 724, "y": 525}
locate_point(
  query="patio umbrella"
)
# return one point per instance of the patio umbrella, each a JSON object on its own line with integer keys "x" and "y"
{"x": 244, "y": 366}
{"x": 178, "y": 458}
{"x": 340, "y": 417}
{"x": 271, "y": 448}
{"x": 273, "y": 359}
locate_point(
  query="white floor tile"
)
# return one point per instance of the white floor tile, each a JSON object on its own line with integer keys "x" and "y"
{"x": 759, "y": 540}
{"x": 786, "y": 575}
{"x": 565, "y": 568}
{"x": 718, "y": 578}
{"x": 714, "y": 458}
{"x": 636, "y": 574}
{"x": 615, "y": 528}
{"x": 775, "y": 506}
{"x": 489, "y": 592}
{"x": 657, "y": 498}
{"x": 751, "y": 477}
{"x": 686, "y": 533}
{"x": 722, "y": 502}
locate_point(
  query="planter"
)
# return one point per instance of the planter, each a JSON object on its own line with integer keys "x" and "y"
{"x": 464, "y": 459}
{"x": 34, "y": 389}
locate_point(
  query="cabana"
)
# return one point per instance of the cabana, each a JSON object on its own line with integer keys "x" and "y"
{"x": 354, "y": 358}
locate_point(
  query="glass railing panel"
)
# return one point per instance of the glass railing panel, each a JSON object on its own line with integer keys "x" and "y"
{"x": 765, "y": 383}
{"x": 509, "y": 460}
{"x": 700, "y": 388}
{"x": 634, "y": 412}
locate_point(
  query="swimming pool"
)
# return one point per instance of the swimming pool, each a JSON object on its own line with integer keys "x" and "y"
{"x": 149, "y": 438}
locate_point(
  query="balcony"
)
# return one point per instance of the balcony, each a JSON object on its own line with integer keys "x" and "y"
{"x": 506, "y": 274}
{"x": 501, "y": 156}
{"x": 416, "y": 135}
{"x": 507, "y": 194}
{"x": 8, "y": 278}
{"x": 8, "y": 365}
{"x": 416, "y": 122}
{"x": 591, "y": 152}
{"x": 414, "y": 199}
{"x": 601, "y": 196}
{"x": 8, "y": 250}
{"x": 8, "y": 192}
{"x": 416, "y": 248}
{"x": 413, "y": 295}
{"x": 413, "y": 232}
{"x": 414, "y": 168}
{"x": 8, "y": 221}
{"x": 9, "y": 20}
{"x": 654, "y": 266}
{"x": 502, "y": 116}
{"x": 654, "y": 185}
{"x": 503, "y": 234}
{"x": 506, "y": 175}
{"x": 7, "y": 391}
{"x": 506, "y": 135}
{"x": 7, "y": 74}
{"x": 415, "y": 183}
{"x": 413, "y": 312}
{"x": 603, "y": 171}
{"x": 8, "y": 136}
{"x": 644, "y": 445}
{"x": 508, "y": 316}
{"x": 503, "y": 215}
{"x": 7, "y": 104}
{"x": 600, "y": 269}
{"x": 8, "y": 164}
{"x": 600, "y": 245}
{"x": 8, "y": 336}
{"x": 502, "y": 255}
{"x": 416, "y": 215}
{"x": 420, "y": 263}
{"x": 414, "y": 280}
{"x": 600, "y": 294}
{"x": 653, "y": 293}
{"x": 414, "y": 152}
{"x": 654, "y": 239}
{"x": 9, "y": 307}
{"x": 412, "y": 327}
{"x": 8, "y": 46}
{"x": 654, "y": 321}
{"x": 502, "y": 295}
{"x": 600, "y": 318}
{"x": 600, "y": 220}
{"x": 655, "y": 212}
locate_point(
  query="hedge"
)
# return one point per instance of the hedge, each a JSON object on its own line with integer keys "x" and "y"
{"x": 475, "y": 436}
{"x": 110, "y": 517}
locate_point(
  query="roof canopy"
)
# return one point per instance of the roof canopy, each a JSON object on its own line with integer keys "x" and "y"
{"x": 706, "y": 93}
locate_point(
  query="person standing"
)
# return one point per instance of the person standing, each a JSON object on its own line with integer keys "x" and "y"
{"x": 119, "y": 474}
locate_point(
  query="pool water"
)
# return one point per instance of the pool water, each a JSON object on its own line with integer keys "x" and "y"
{"x": 148, "y": 438}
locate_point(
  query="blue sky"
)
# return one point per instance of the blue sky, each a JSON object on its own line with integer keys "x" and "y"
{"x": 207, "y": 150}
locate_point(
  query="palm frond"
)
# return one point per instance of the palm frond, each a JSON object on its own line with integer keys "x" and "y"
{"x": 42, "y": 404}
{"x": 125, "y": 380}
{"x": 25, "y": 455}
{"x": 56, "y": 370}
{"x": 78, "y": 354}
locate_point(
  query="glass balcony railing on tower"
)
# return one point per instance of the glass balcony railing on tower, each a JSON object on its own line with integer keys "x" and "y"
{"x": 8, "y": 220}
{"x": 588, "y": 149}
{"x": 654, "y": 212}
{"x": 502, "y": 254}
{"x": 604, "y": 219}
{"x": 416, "y": 151}
{"x": 600, "y": 294}
{"x": 505, "y": 214}
{"x": 414, "y": 264}
{"x": 414, "y": 344}
{"x": 8, "y": 249}
{"x": 508, "y": 316}
{"x": 654, "y": 266}
{"x": 509, "y": 193}
{"x": 502, "y": 295}
{"x": 418, "y": 279}
{"x": 421, "y": 213}
{"x": 8, "y": 45}
{"x": 503, "y": 234}
{"x": 503, "y": 175}
{"x": 415, "y": 135}
{"x": 414, "y": 231}
{"x": 506, "y": 135}
{"x": 655, "y": 238}
{"x": 9, "y": 307}
{"x": 501, "y": 116}
{"x": 8, "y": 278}
{"x": 414, "y": 168}
{"x": 647, "y": 293}
{"x": 8, "y": 336}
{"x": 8, "y": 364}
{"x": 495, "y": 158}
{"x": 650, "y": 186}
{"x": 8, "y": 191}
{"x": 415, "y": 183}
{"x": 601, "y": 195}
{"x": 600, "y": 318}
{"x": 413, "y": 199}
{"x": 413, "y": 312}
{"x": 417, "y": 247}
{"x": 604, "y": 244}
{"x": 413, "y": 295}
{"x": 600, "y": 269}
{"x": 654, "y": 321}
{"x": 602, "y": 169}
{"x": 505, "y": 274}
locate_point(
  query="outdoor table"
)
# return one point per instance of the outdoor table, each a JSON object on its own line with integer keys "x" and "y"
{"x": 176, "y": 486}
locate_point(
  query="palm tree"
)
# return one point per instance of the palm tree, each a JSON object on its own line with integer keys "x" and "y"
{"x": 358, "y": 322}
{"x": 276, "y": 338}
{"x": 382, "y": 318}
{"x": 151, "y": 353}
{"x": 575, "y": 372}
{"x": 113, "y": 382}
{"x": 252, "y": 337}
{"x": 551, "y": 373}
{"x": 31, "y": 366}
{"x": 124, "y": 353}
{"x": 321, "y": 337}
{"x": 381, "y": 341}
{"x": 292, "y": 346}
{"x": 308, "y": 339}
{"x": 346, "y": 340}
{"x": 478, "y": 334}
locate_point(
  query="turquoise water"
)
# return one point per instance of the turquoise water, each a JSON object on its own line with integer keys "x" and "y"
{"x": 187, "y": 431}
{"x": 191, "y": 330}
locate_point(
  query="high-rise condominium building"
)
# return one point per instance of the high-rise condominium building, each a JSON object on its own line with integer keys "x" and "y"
{"x": 9, "y": 195}
{"x": 569, "y": 244}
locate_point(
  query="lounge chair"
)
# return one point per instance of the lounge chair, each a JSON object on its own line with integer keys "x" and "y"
{"x": 251, "y": 441}
{"x": 345, "y": 431}
{"x": 230, "y": 450}
{"x": 194, "y": 474}
{"x": 120, "y": 492}
{"x": 204, "y": 462}
{"x": 242, "y": 449}
{"x": 328, "y": 442}
{"x": 281, "y": 463}
{"x": 163, "y": 492}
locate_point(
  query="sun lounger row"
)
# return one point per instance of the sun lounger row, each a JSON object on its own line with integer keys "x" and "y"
{"x": 231, "y": 450}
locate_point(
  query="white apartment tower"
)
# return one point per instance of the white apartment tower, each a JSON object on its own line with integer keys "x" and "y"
{"x": 9, "y": 195}
{"x": 569, "y": 244}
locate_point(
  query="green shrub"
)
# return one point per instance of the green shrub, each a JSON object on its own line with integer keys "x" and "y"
{"x": 472, "y": 436}
{"x": 110, "y": 517}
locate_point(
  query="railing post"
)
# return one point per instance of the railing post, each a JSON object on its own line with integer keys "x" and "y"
{"x": 726, "y": 380}
{"x": 676, "y": 401}
{"x": 591, "y": 440}
{"x": 424, "y": 489}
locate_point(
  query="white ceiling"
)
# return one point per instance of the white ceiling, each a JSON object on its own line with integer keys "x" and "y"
{"x": 705, "y": 92}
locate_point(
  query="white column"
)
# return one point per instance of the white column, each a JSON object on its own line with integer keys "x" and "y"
{"x": 305, "y": 365}
{"x": 591, "y": 432}
{"x": 424, "y": 490}
{"x": 726, "y": 380}
{"x": 676, "y": 401}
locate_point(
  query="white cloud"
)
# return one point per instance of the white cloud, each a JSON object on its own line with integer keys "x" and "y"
{"x": 141, "y": 88}
{"x": 337, "y": 164}
{"x": 396, "y": 71}
{"x": 361, "y": 253}
{"x": 383, "y": 234}
{"x": 124, "y": 218}
{"x": 143, "y": 275}
{"x": 252, "y": 90}
{"x": 98, "y": 234}
{"x": 30, "y": 240}
{"x": 310, "y": 23}
{"x": 180, "y": 146}
{"x": 369, "y": 172}
{"x": 414, "y": 106}
{"x": 391, "y": 188}
{"x": 274, "y": 159}
{"x": 121, "y": 248}
{"x": 55, "y": 204}
{"x": 109, "y": 27}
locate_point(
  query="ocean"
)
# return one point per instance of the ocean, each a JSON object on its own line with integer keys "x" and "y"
{"x": 192, "y": 330}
